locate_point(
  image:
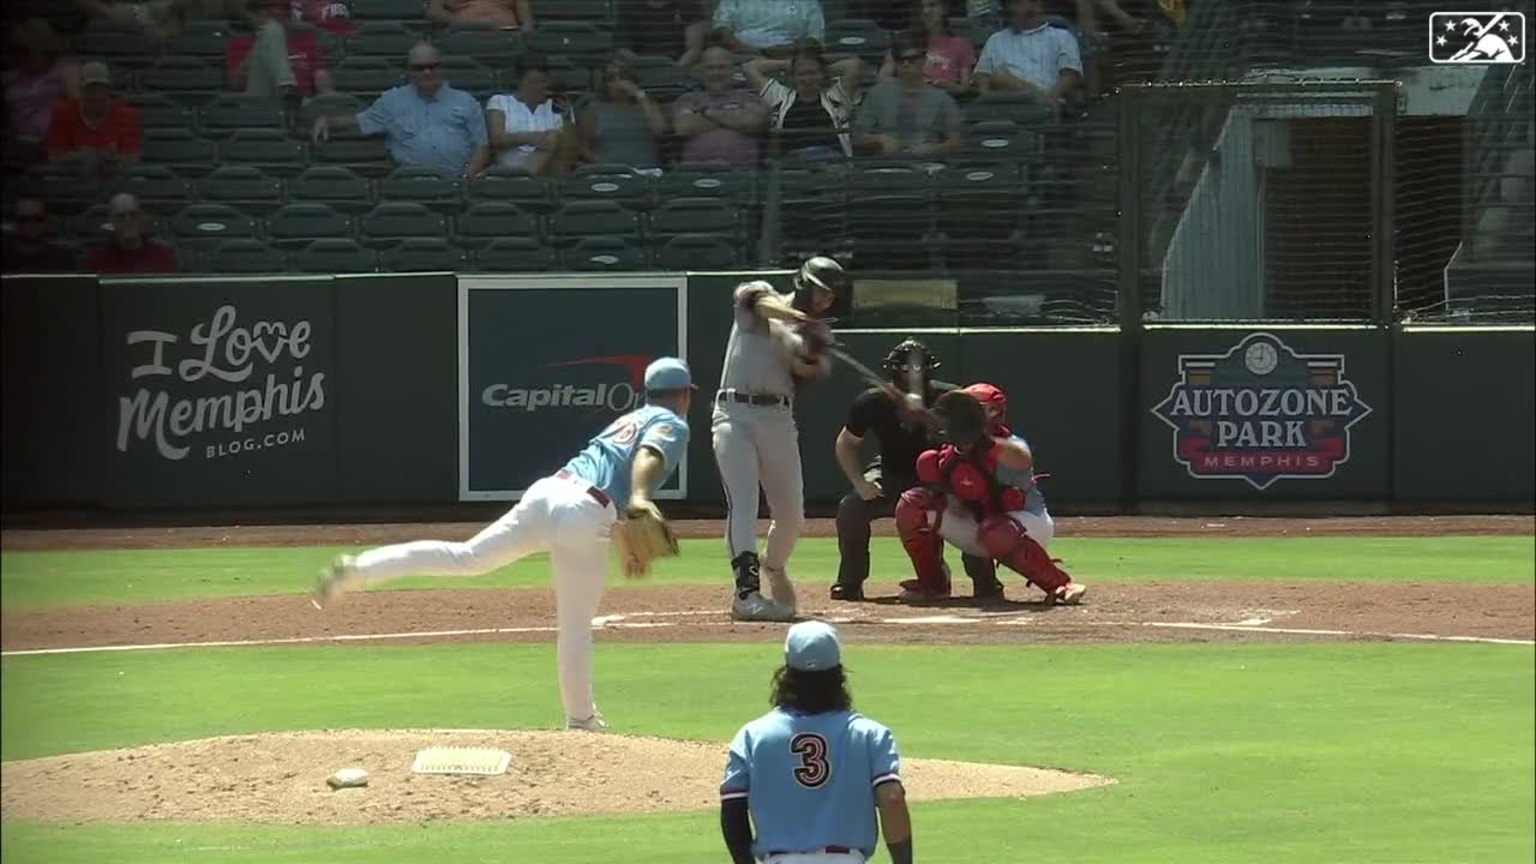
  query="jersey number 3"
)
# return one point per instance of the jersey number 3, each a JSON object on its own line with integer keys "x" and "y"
{"x": 814, "y": 771}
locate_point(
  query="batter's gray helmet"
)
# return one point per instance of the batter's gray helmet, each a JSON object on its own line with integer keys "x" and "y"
{"x": 819, "y": 272}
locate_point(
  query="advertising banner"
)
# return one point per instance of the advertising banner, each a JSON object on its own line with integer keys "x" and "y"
{"x": 546, "y": 362}
{"x": 220, "y": 392}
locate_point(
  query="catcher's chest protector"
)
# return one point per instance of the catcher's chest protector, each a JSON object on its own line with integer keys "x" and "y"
{"x": 972, "y": 481}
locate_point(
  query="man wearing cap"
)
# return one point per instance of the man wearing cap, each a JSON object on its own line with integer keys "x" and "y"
{"x": 811, "y": 773}
{"x": 97, "y": 132}
{"x": 569, "y": 514}
{"x": 131, "y": 249}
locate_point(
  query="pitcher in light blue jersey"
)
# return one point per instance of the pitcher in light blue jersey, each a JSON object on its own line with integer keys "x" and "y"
{"x": 570, "y": 515}
{"x": 812, "y": 773}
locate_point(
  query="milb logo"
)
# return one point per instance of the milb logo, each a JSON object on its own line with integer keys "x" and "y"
{"x": 1261, "y": 412}
{"x": 1477, "y": 38}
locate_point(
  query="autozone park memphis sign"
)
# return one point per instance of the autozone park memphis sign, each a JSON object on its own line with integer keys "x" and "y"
{"x": 1260, "y": 412}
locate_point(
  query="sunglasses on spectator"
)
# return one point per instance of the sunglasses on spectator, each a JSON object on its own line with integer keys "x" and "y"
{"x": 424, "y": 67}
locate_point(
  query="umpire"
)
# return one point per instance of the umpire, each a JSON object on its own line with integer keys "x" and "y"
{"x": 877, "y": 488}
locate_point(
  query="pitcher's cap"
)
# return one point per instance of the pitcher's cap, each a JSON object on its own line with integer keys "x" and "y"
{"x": 812, "y": 646}
{"x": 668, "y": 373}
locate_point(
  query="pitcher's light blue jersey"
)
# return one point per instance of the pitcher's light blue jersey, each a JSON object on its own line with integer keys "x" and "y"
{"x": 608, "y": 460}
{"x": 1034, "y": 501}
{"x": 809, "y": 779}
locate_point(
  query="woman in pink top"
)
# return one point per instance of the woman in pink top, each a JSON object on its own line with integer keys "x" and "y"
{"x": 951, "y": 58}
{"x": 42, "y": 79}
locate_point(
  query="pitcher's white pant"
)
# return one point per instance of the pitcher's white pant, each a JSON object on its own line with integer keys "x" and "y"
{"x": 960, "y": 527}
{"x": 556, "y": 515}
{"x": 759, "y": 445}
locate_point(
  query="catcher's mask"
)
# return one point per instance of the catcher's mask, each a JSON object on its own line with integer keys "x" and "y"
{"x": 899, "y": 363}
{"x": 993, "y": 401}
{"x": 962, "y": 420}
{"x": 819, "y": 272}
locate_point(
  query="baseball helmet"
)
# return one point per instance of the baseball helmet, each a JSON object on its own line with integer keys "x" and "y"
{"x": 897, "y": 357}
{"x": 993, "y": 400}
{"x": 819, "y": 272}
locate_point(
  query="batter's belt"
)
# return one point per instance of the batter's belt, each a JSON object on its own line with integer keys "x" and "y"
{"x": 771, "y": 399}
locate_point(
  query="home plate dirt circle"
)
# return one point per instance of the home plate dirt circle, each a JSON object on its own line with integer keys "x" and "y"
{"x": 280, "y": 779}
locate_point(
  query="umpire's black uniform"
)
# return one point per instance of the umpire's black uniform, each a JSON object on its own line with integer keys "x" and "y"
{"x": 895, "y": 469}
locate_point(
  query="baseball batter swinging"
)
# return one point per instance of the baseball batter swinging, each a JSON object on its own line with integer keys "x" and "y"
{"x": 776, "y": 344}
{"x": 978, "y": 492}
{"x": 877, "y": 488}
{"x": 570, "y": 514}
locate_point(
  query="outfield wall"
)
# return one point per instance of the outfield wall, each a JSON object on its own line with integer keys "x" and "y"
{"x": 429, "y": 389}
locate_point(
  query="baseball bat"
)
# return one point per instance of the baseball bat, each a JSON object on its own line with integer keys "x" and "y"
{"x": 865, "y": 372}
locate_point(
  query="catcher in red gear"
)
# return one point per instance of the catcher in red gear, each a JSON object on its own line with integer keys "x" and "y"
{"x": 978, "y": 492}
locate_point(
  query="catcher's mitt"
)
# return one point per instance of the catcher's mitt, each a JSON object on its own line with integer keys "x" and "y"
{"x": 962, "y": 420}
{"x": 642, "y": 536}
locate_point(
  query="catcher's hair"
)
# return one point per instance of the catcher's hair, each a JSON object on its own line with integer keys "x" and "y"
{"x": 811, "y": 692}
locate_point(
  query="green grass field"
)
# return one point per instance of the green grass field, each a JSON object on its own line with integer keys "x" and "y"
{"x": 1389, "y": 753}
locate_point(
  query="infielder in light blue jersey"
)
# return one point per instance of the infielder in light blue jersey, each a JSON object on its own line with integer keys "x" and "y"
{"x": 569, "y": 514}
{"x": 811, "y": 773}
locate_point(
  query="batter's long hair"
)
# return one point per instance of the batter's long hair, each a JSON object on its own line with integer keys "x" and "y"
{"x": 811, "y": 692}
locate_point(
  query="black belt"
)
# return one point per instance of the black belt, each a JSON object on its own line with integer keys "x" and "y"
{"x": 825, "y": 850}
{"x": 596, "y": 493}
{"x": 753, "y": 398}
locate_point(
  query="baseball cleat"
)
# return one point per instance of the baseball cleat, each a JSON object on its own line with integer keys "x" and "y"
{"x": 848, "y": 593}
{"x": 595, "y": 723}
{"x": 920, "y": 595}
{"x": 1070, "y": 594}
{"x": 756, "y": 607}
{"x": 780, "y": 588}
{"x": 988, "y": 592}
{"x": 336, "y": 579}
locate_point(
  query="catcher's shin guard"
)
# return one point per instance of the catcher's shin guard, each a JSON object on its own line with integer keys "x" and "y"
{"x": 1005, "y": 540}
{"x": 920, "y": 537}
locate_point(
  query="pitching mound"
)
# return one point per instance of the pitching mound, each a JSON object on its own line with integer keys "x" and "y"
{"x": 280, "y": 779}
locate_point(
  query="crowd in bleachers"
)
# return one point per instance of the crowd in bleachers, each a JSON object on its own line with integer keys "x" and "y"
{"x": 506, "y": 134}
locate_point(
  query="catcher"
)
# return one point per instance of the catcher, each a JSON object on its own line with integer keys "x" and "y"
{"x": 602, "y": 494}
{"x": 978, "y": 491}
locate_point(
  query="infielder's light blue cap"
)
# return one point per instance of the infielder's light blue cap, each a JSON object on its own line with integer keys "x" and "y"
{"x": 668, "y": 373}
{"x": 812, "y": 646}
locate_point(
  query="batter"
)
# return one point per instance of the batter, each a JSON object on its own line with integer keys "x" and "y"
{"x": 569, "y": 514}
{"x": 776, "y": 345}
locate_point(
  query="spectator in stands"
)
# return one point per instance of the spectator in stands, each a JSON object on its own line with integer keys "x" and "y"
{"x": 508, "y": 14}
{"x": 280, "y": 63}
{"x": 666, "y": 28}
{"x": 98, "y": 133}
{"x": 810, "y": 118}
{"x": 768, "y": 27}
{"x": 621, "y": 124}
{"x": 721, "y": 123}
{"x": 528, "y": 128}
{"x": 332, "y": 16}
{"x": 30, "y": 249}
{"x": 950, "y": 59}
{"x": 44, "y": 77}
{"x": 425, "y": 123}
{"x": 903, "y": 115}
{"x": 131, "y": 249}
{"x": 1030, "y": 56}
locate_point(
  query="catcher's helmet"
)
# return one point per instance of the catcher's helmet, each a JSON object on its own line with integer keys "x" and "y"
{"x": 897, "y": 357}
{"x": 993, "y": 400}
{"x": 819, "y": 272}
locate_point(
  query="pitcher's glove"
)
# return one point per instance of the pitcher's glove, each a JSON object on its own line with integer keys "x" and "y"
{"x": 642, "y": 536}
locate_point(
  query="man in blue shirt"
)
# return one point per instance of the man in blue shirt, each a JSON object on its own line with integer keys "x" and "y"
{"x": 811, "y": 773}
{"x": 425, "y": 124}
{"x": 569, "y": 514}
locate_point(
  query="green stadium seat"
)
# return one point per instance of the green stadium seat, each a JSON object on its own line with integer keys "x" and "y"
{"x": 661, "y": 74}
{"x": 203, "y": 226}
{"x": 516, "y": 255}
{"x": 183, "y": 150}
{"x": 424, "y": 255}
{"x": 228, "y": 113}
{"x": 384, "y": 10}
{"x": 366, "y": 156}
{"x": 608, "y": 254}
{"x": 293, "y": 226}
{"x": 334, "y": 256}
{"x": 607, "y": 183}
{"x": 699, "y": 252}
{"x": 390, "y": 222}
{"x": 194, "y": 76}
{"x": 367, "y": 77}
{"x": 469, "y": 74}
{"x": 117, "y": 46}
{"x": 858, "y": 37}
{"x": 813, "y": 206}
{"x": 534, "y": 194}
{"x": 593, "y": 219}
{"x": 711, "y": 179}
{"x": 1020, "y": 108}
{"x": 696, "y": 216}
{"x": 568, "y": 75}
{"x": 63, "y": 187}
{"x": 375, "y": 38}
{"x": 329, "y": 104}
{"x": 423, "y": 186}
{"x": 595, "y": 11}
{"x": 490, "y": 45}
{"x": 94, "y": 226}
{"x": 576, "y": 39}
{"x": 243, "y": 256}
{"x": 161, "y": 112}
{"x": 158, "y": 188}
{"x": 206, "y": 39}
{"x": 334, "y": 186}
{"x": 273, "y": 151}
{"x": 244, "y": 186}
{"x": 997, "y": 140}
{"x": 484, "y": 221}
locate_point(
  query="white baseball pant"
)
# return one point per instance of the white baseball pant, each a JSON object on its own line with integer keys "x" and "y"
{"x": 960, "y": 528}
{"x": 558, "y": 515}
{"x": 759, "y": 446}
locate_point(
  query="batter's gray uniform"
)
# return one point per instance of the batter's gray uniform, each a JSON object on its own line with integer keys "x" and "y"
{"x": 758, "y": 445}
